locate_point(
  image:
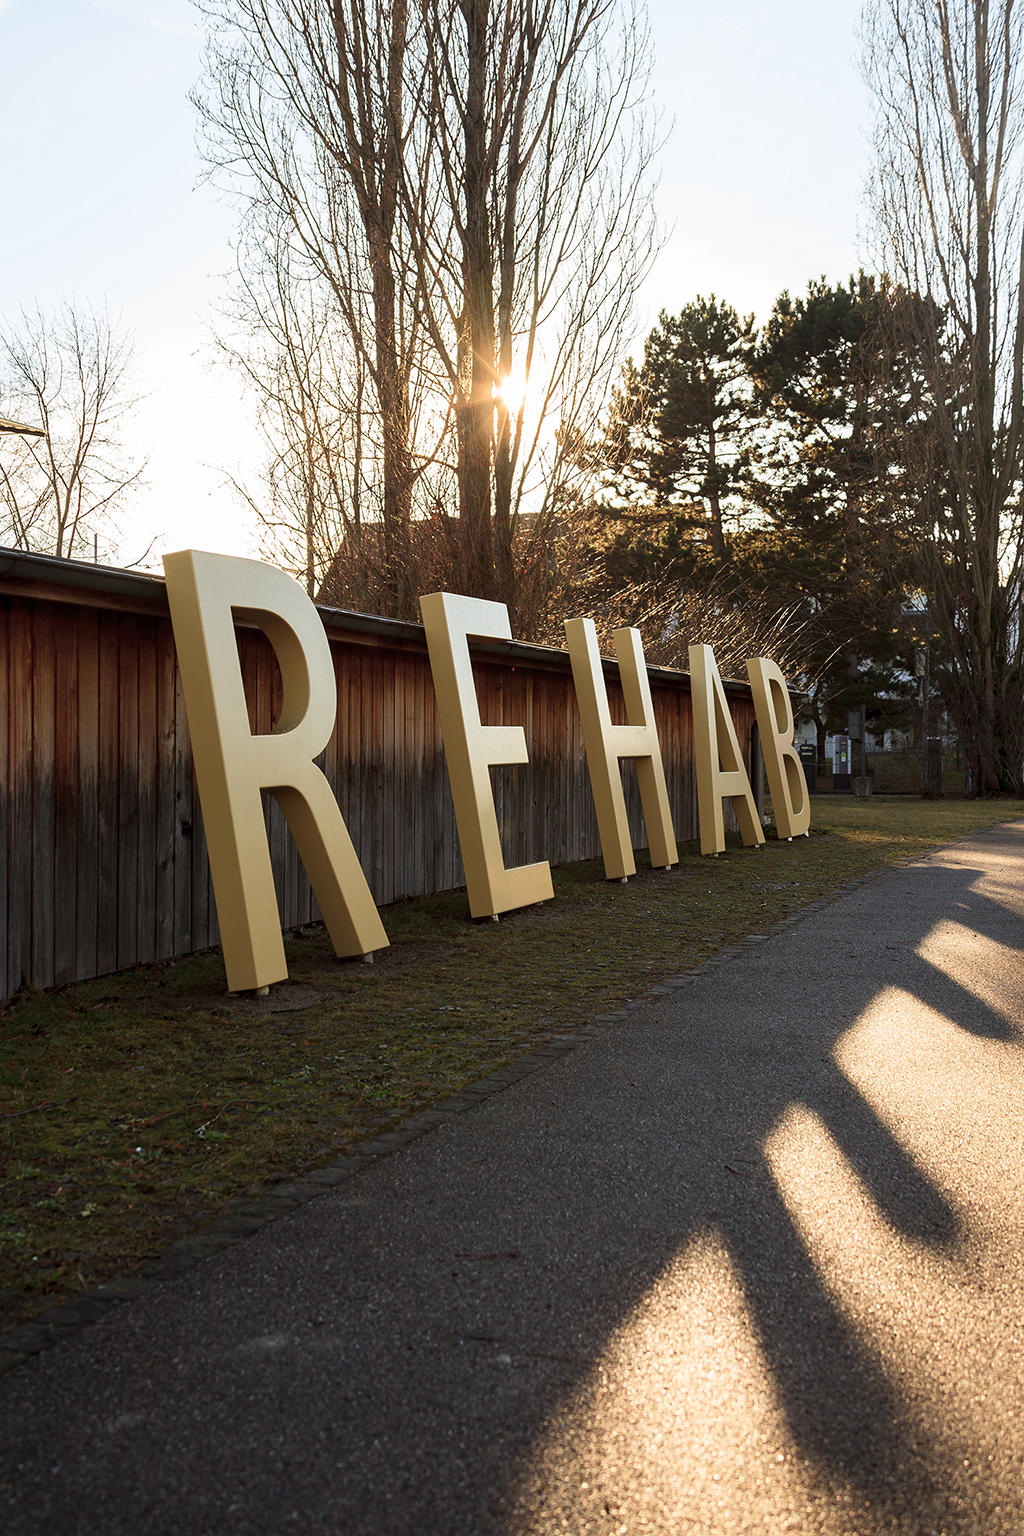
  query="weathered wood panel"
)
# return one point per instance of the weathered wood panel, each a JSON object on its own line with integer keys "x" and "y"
{"x": 87, "y": 890}
{"x": 166, "y": 796}
{"x": 5, "y": 800}
{"x": 67, "y": 796}
{"x": 106, "y": 888}
{"x": 20, "y": 768}
{"x": 103, "y": 861}
{"x": 42, "y": 701}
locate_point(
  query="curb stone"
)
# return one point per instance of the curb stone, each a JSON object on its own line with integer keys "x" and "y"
{"x": 251, "y": 1214}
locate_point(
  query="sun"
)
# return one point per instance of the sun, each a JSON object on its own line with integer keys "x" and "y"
{"x": 512, "y": 391}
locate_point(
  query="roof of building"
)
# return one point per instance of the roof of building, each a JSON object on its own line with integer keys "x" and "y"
{"x": 46, "y": 577}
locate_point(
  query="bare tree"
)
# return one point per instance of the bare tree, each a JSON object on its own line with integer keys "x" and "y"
{"x": 68, "y": 374}
{"x": 290, "y": 346}
{"x": 303, "y": 102}
{"x": 468, "y": 178}
{"x": 536, "y": 110}
{"x": 949, "y": 199}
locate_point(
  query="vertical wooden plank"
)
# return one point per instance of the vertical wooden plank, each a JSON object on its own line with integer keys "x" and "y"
{"x": 547, "y": 770}
{"x": 454, "y": 847}
{"x": 565, "y": 771}
{"x": 5, "y": 792}
{"x": 146, "y": 815}
{"x": 184, "y": 829}
{"x": 581, "y": 790}
{"x": 164, "y": 892}
{"x": 443, "y": 874}
{"x": 675, "y": 766}
{"x": 128, "y": 792}
{"x": 19, "y": 748}
{"x": 581, "y": 785}
{"x": 204, "y": 912}
{"x": 402, "y": 813}
{"x": 257, "y": 687}
{"x": 549, "y": 789}
{"x": 268, "y": 709}
{"x": 664, "y": 720}
{"x": 421, "y": 781}
{"x": 435, "y": 787}
{"x": 67, "y": 795}
{"x": 694, "y": 794}
{"x": 410, "y": 804}
{"x": 554, "y": 773}
{"x": 88, "y": 750}
{"x": 535, "y": 789}
{"x": 389, "y": 747}
{"x": 371, "y": 787}
{"x": 515, "y": 779}
{"x": 429, "y": 794}
{"x": 359, "y": 757}
{"x": 330, "y": 763}
{"x": 415, "y": 783}
{"x": 517, "y": 808}
{"x": 349, "y": 745}
{"x": 569, "y": 768}
{"x": 43, "y": 817}
{"x": 107, "y": 797}
{"x": 347, "y": 770}
{"x": 291, "y": 888}
{"x": 344, "y": 775}
{"x": 492, "y": 712}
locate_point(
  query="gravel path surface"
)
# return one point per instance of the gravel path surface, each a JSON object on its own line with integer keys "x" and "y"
{"x": 748, "y": 1258}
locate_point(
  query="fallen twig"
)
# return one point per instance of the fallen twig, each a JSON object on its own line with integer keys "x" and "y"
{"x": 231, "y": 1104}
{"x": 12, "y": 1114}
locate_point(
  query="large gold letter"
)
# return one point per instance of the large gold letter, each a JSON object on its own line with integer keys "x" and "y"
{"x": 470, "y": 748}
{"x": 232, "y": 765}
{"x": 720, "y": 770}
{"x": 606, "y": 743}
{"x": 790, "y": 800}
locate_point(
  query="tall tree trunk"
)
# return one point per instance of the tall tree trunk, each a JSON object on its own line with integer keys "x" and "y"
{"x": 717, "y": 531}
{"x": 476, "y": 410}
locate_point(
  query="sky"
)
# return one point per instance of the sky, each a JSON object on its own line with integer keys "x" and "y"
{"x": 762, "y": 171}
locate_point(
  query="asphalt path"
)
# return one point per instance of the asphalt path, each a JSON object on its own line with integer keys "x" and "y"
{"x": 747, "y": 1258}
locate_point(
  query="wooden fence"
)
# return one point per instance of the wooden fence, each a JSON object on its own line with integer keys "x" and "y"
{"x": 103, "y": 860}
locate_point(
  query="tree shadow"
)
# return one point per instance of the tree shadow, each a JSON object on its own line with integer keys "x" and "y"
{"x": 422, "y": 1331}
{"x": 757, "y": 1059}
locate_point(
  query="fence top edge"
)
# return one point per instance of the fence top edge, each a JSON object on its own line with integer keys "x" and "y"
{"x": 46, "y": 576}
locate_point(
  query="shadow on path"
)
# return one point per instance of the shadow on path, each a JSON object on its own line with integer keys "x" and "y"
{"x": 393, "y": 1358}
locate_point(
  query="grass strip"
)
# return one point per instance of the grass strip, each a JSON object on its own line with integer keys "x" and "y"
{"x": 134, "y": 1107}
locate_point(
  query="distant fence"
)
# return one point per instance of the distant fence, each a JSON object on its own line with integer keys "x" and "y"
{"x": 904, "y": 772}
{"x": 103, "y": 860}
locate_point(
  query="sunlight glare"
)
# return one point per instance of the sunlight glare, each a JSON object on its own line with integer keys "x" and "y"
{"x": 994, "y": 975}
{"x": 935, "y": 1093}
{"x": 681, "y": 1393}
{"x": 513, "y": 391}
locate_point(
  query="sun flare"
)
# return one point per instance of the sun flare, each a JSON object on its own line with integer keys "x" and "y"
{"x": 513, "y": 391}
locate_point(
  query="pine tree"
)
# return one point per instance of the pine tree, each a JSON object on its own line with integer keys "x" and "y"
{"x": 680, "y": 427}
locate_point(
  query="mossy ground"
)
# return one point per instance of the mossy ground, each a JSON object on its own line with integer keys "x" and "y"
{"x": 133, "y": 1107}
